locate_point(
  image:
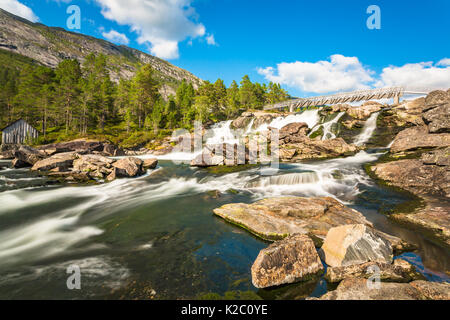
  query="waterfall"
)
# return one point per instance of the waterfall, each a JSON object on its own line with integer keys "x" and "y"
{"x": 369, "y": 128}
{"x": 310, "y": 117}
{"x": 250, "y": 126}
{"x": 222, "y": 133}
{"x": 327, "y": 126}
{"x": 285, "y": 179}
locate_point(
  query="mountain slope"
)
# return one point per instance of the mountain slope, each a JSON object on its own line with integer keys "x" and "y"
{"x": 49, "y": 46}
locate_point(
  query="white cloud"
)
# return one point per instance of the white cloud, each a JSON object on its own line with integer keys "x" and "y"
{"x": 19, "y": 9}
{"x": 422, "y": 76}
{"x": 444, "y": 62}
{"x": 116, "y": 37}
{"x": 211, "y": 40}
{"x": 161, "y": 24}
{"x": 340, "y": 73}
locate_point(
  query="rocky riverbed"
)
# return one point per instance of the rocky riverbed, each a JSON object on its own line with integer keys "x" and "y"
{"x": 317, "y": 227}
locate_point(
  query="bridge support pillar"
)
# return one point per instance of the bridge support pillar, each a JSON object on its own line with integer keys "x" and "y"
{"x": 291, "y": 109}
{"x": 397, "y": 99}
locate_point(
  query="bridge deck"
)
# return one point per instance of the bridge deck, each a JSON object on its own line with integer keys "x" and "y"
{"x": 362, "y": 95}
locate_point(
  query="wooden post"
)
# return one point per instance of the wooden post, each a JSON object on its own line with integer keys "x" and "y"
{"x": 397, "y": 99}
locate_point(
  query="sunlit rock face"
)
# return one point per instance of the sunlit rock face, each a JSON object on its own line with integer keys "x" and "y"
{"x": 287, "y": 261}
{"x": 355, "y": 244}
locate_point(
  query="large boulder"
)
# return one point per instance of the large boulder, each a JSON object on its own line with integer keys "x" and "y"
{"x": 436, "y": 98}
{"x": 419, "y": 137}
{"x": 363, "y": 112}
{"x": 355, "y": 244}
{"x": 96, "y": 166}
{"x": 302, "y": 148}
{"x": 290, "y": 260}
{"x": 207, "y": 159}
{"x": 434, "y": 219}
{"x": 438, "y": 119}
{"x": 291, "y": 130}
{"x": 80, "y": 145}
{"x": 279, "y": 217}
{"x": 150, "y": 163}
{"x": 62, "y": 161}
{"x": 399, "y": 271}
{"x": 129, "y": 167}
{"x": 416, "y": 176}
{"x": 29, "y": 155}
{"x": 359, "y": 289}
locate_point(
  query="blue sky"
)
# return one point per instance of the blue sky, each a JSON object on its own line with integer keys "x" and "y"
{"x": 310, "y": 47}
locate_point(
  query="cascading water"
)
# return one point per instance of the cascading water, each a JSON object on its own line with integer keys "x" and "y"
{"x": 327, "y": 127}
{"x": 369, "y": 128}
{"x": 222, "y": 133}
{"x": 310, "y": 117}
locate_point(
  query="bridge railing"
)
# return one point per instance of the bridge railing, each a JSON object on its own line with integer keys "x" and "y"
{"x": 354, "y": 96}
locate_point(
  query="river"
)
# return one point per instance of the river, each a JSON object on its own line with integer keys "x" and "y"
{"x": 156, "y": 235}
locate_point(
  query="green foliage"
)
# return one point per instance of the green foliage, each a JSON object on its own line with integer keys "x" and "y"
{"x": 75, "y": 100}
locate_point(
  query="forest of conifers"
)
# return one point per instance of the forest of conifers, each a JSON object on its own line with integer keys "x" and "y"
{"x": 80, "y": 100}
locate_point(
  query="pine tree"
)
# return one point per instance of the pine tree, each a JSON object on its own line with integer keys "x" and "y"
{"x": 68, "y": 75}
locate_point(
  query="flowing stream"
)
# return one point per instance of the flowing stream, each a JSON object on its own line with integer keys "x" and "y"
{"x": 157, "y": 233}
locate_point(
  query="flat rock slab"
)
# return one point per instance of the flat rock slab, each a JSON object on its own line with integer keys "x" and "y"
{"x": 62, "y": 161}
{"x": 277, "y": 218}
{"x": 357, "y": 289}
{"x": 355, "y": 244}
{"x": 286, "y": 261}
{"x": 419, "y": 137}
{"x": 400, "y": 271}
{"x": 434, "y": 219}
{"x": 415, "y": 176}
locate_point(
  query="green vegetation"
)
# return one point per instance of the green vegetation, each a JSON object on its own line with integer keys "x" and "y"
{"x": 80, "y": 100}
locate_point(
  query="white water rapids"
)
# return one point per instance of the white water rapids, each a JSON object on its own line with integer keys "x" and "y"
{"x": 60, "y": 228}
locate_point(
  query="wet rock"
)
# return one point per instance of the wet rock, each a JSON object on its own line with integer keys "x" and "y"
{"x": 150, "y": 163}
{"x": 434, "y": 219}
{"x": 364, "y": 111}
{"x": 290, "y": 260}
{"x": 419, "y": 137}
{"x": 291, "y": 130}
{"x": 80, "y": 145}
{"x": 61, "y": 161}
{"x": 129, "y": 167}
{"x": 306, "y": 148}
{"x": 29, "y": 155}
{"x": 17, "y": 163}
{"x": 91, "y": 163}
{"x": 277, "y": 218}
{"x": 438, "y": 119}
{"x": 355, "y": 244}
{"x": 415, "y": 176}
{"x": 71, "y": 176}
{"x": 363, "y": 289}
{"x": 399, "y": 271}
{"x": 433, "y": 290}
{"x": 7, "y": 155}
{"x": 243, "y": 121}
{"x": 207, "y": 160}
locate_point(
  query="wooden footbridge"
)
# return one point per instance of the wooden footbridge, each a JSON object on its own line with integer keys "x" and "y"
{"x": 346, "y": 97}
